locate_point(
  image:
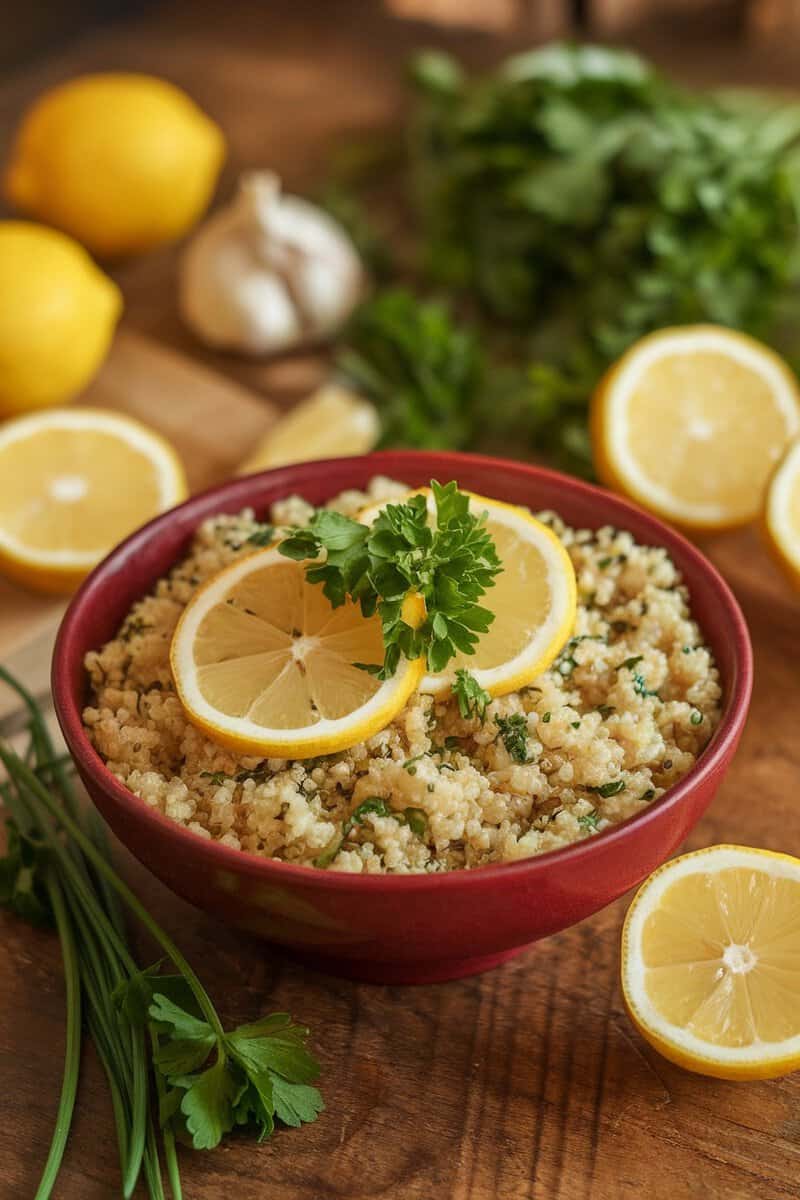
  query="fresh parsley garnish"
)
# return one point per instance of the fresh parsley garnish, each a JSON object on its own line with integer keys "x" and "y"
{"x": 630, "y": 663}
{"x": 589, "y": 820}
{"x": 472, "y": 699}
{"x": 696, "y": 718}
{"x": 450, "y": 564}
{"x": 514, "y": 732}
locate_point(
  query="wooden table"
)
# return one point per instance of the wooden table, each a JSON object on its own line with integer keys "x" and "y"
{"x": 526, "y": 1082}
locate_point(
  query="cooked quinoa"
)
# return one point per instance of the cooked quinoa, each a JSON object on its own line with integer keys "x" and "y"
{"x": 620, "y": 716}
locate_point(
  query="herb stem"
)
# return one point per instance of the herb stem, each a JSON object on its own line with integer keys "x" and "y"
{"x": 17, "y": 767}
{"x": 72, "y": 1045}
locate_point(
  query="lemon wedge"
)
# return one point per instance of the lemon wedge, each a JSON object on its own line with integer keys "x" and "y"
{"x": 782, "y": 513}
{"x": 264, "y": 665}
{"x": 331, "y": 423}
{"x": 534, "y": 601}
{"x": 711, "y": 962}
{"x": 73, "y": 483}
{"x": 691, "y": 421}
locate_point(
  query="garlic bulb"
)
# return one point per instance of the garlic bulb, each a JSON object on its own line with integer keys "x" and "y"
{"x": 269, "y": 272}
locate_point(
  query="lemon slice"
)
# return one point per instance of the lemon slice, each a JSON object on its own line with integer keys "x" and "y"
{"x": 534, "y": 601}
{"x": 73, "y": 483}
{"x": 264, "y": 665}
{"x": 711, "y": 962}
{"x": 782, "y": 515}
{"x": 691, "y": 421}
{"x": 331, "y": 423}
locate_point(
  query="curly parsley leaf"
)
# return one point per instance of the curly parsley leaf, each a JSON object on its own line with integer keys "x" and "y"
{"x": 450, "y": 564}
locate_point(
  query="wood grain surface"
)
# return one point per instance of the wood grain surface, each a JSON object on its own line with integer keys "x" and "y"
{"x": 528, "y": 1082}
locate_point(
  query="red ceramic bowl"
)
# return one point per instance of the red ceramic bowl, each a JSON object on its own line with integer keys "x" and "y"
{"x": 394, "y": 928}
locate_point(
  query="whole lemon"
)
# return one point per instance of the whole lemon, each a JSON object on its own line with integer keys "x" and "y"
{"x": 122, "y": 162}
{"x": 57, "y": 317}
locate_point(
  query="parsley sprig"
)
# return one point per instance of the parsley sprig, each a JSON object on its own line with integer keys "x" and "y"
{"x": 450, "y": 564}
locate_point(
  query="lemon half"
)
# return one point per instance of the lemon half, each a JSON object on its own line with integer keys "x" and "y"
{"x": 73, "y": 483}
{"x": 691, "y": 421}
{"x": 711, "y": 962}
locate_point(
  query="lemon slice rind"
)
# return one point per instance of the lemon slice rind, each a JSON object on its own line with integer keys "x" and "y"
{"x": 782, "y": 538}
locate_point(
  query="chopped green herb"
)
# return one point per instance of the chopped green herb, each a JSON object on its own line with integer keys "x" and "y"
{"x": 696, "y": 718}
{"x": 472, "y": 699}
{"x": 630, "y": 663}
{"x": 575, "y": 724}
{"x": 688, "y": 649}
{"x": 133, "y": 627}
{"x": 415, "y": 818}
{"x": 605, "y": 710}
{"x": 605, "y": 562}
{"x": 613, "y": 788}
{"x": 641, "y": 688}
{"x": 262, "y": 535}
{"x": 514, "y": 732}
{"x": 589, "y": 820}
{"x": 546, "y": 718}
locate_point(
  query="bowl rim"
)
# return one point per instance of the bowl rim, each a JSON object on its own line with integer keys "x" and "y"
{"x": 723, "y": 741}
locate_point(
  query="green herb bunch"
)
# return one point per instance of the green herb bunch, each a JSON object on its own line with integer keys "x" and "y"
{"x": 450, "y": 563}
{"x": 571, "y": 201}
{"x": 147, "y": 1027}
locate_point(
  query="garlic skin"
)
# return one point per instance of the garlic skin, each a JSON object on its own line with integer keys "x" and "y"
{"x": 268, "y": 273}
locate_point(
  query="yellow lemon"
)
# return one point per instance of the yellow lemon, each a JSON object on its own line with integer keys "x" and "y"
{"x": 691, "y": 421}
{"x": 263, "y": 663}
{"x": 123, "y": 162}
{"x": 331, "y": 423}
{"x": 58, "y": 312}
{"x": 782, "y": 513}
{"x": 711, "y": 962}
{"x": 73, "y": 483}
